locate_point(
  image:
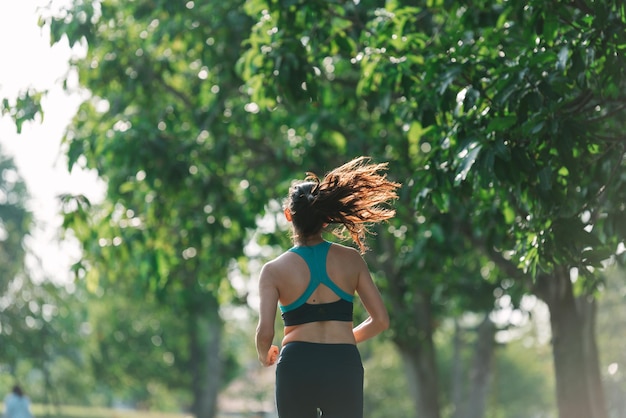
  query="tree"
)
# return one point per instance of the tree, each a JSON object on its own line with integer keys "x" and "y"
{"x": 186, "y": 161}
{"x": 139, "y": 354}
{"x": 35, "y": 318}
{"x": 542, "y": 103}
{"x": 15, "y": 222}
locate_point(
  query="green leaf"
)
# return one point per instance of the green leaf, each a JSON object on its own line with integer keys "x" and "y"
{"x": 545, "y": 179}
{"x": 501, "y": 123}
{"x": 563, "y": 56}
{"x": 595, "y": 257}
{"x": 465, "y": 160}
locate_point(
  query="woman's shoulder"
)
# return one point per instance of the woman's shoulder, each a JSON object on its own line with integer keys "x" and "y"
{"x": 345, "y": 253}
{"x": 284, "y": 260}
{"x": 344, "y": 249}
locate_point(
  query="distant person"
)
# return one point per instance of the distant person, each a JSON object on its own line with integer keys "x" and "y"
{"x": 314, "y": 283}
{"x": 17, "y": 404}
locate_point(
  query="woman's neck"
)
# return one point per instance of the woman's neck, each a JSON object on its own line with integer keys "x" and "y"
{"x": 309, "y": 241}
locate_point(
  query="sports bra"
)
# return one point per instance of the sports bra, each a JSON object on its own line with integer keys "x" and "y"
{"x": 301, "y": 312}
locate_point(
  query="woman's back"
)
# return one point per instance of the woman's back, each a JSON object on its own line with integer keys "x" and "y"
{"x": 343, "y": 266}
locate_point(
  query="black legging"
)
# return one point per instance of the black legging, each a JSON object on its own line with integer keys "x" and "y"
{"x": 325, "y": 376}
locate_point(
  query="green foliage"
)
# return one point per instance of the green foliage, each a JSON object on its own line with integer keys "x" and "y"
{"x": 504, "y": 99}
{"x": 41, "y": 340}
{"x": 27, "y": 107}
{"x": 40, "y": 347}
{"x": 520, "y": 114}
{"x": 187, "y": 164}
{"x": 137, "y": 354}
{"x": 15, "y": 222}
{"x": 168, "y": 128}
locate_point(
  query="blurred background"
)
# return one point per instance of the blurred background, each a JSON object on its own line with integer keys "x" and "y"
{"x": 146, "y": 147}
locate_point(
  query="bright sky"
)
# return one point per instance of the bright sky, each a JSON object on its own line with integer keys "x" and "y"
{"x": 27, "y": 60}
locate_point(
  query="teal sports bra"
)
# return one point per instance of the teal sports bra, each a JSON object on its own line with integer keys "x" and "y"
{"x": 301, "y": 312}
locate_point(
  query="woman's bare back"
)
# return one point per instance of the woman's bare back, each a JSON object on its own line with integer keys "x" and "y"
{"x": 292, "y": 275}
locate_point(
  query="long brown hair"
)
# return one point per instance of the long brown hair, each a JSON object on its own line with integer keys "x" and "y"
{"x": 354, "y": 195}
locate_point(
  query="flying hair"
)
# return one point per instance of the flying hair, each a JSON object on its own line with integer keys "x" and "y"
{"x": 353, "y": 196}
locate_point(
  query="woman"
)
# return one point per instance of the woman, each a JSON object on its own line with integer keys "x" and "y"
{"x": 17, "y": 404}
{"x": 314, "y": 284}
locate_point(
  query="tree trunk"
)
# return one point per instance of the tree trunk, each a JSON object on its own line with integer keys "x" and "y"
{"x": 587, "y": 306}
{"x": 205, "y": 364}
{"x": 195, "y": 359}
{"x": 573, "y": 398}
{"x": 480, "y": 374}
{"x": 471, "y": 402}
{"x": 457, "y": 392}
{"x": 212, "y": 372}
{"x": 417, "y": 350}
{"x": 413, "y": 328}
{"x": 422, "y": 382}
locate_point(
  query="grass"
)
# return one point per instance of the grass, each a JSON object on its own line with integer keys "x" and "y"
{"x": 68, "y": 411}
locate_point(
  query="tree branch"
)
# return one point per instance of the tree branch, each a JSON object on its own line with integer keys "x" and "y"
{"x": 606, "y": 138}
{"x": 608, "y": 114}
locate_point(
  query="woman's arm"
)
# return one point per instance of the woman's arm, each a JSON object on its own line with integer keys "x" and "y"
{"x": 378, "y": 319}
{"x": 268, "y": 294}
